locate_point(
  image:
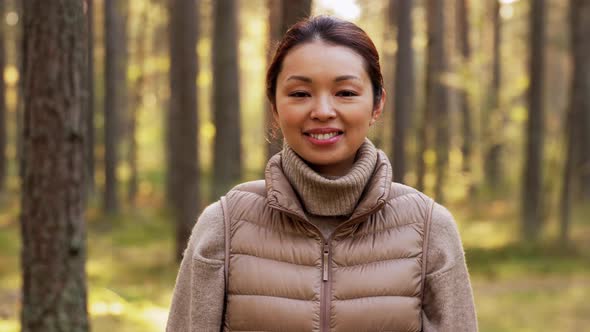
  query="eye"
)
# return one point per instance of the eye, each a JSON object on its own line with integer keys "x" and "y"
{"x": 299, "y": 94}
{"x": 346, "y": 93}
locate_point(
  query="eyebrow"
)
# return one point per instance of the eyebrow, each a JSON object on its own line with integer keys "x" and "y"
{"x": 299, "y": 78}
{"x": 337, "y": 79}
{"x": 345, "y": 78}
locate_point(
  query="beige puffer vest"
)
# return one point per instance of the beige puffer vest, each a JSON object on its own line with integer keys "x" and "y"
{"x": 283, "y": 275}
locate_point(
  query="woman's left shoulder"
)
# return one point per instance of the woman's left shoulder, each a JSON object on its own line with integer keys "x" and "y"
{"x": 435, "y": 209}
{"x": 444, "y": 249}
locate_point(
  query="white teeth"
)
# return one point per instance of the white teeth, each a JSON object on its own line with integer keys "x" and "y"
{"x": 324, "y": 136}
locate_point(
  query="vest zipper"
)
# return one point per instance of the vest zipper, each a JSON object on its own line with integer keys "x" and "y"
{"x": 326, "y": 260}
{"x": 325, "y": 291}
{"x": 326, "y": 285}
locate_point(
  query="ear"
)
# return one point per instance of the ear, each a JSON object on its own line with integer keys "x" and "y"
{"x": 378, "y": 108}
{"x": 275, "y": 113}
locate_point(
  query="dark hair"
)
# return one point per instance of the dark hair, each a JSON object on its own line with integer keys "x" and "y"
{"x": 332, "y": 31}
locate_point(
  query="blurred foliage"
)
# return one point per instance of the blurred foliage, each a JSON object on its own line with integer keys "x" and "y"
{"x": 130, "y": 270}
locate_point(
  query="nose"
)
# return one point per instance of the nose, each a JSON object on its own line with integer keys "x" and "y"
{"x": 323, "y": 109}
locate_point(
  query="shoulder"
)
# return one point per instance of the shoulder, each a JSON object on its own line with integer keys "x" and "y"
{"x": 411, "y": 198}
{"x": 207, "y": 240}
{"x": 440, "y": 221}
{"x": 244, "y": 197}
{"x": 444, "y": 226}
{"x": 257, "y": 187}
{"x": 398, "y": 190}
{"x": 445, "y": 249}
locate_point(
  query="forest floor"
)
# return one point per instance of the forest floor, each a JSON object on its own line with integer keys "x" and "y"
{"x": 131, "y": 273}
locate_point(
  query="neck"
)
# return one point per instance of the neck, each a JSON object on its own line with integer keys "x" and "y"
{"x": 328, "y": 190}
{"x": 334, "y": 171}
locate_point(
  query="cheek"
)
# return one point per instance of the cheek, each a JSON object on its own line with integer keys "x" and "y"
{"x": 288, "y": 119}
{"x": 289, "y": 115}
{"x": 358, "y": 120}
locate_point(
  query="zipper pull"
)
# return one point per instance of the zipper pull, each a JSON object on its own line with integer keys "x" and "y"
{"x": 326, "y": 261}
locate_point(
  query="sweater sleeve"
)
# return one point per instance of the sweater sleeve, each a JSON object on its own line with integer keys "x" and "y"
{"x": 197, "y": 301}
{"x": 448, "y": 298}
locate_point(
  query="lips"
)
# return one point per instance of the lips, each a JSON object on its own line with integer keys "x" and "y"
{"x": 323, "y": 136}
{"x": 324, "y": 130}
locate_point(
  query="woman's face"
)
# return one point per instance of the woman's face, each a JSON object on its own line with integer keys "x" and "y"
{"x": 324, "y": 105}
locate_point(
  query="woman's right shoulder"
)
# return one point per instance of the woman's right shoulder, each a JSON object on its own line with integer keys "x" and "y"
{"x": 257, "y": 187}
{"x": 208, "y": 236}
{"x": 207, "y": 239}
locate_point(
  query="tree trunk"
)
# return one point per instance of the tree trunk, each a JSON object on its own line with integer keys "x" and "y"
{"x": 3, "y": 134}
{"x": 404, "y": 86}
{"x": 227, "y": 159}
{"x": 465, "y": 51}
{"x": 53, "y": 184}
{"x": 532, "y": 172}
{"x": 425, "y": 127}
{"x": 138, "y": 92}
{"x": 439, "y": 100}
{"x": 114, "y": 71}
{"x": 493, "y": 129}
{"x": 273, "y": 135}
{"x": 182, "y": 121}
{"x": 294, "y": 11}
{"x": 90, "y": 162}
{"x": 580, "y": 102}
{"x": 435, "y": 107}
{"x": 21, "y": 47}
{"x": 570, "y": 139}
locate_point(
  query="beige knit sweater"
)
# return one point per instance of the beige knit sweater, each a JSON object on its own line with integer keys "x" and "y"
{"x": 198, "y": 299}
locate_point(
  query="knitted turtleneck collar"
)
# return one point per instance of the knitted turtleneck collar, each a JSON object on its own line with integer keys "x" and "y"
{"x": 334, "y": 196}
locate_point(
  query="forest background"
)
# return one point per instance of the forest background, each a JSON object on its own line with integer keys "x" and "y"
{"x": 488, "y": 112}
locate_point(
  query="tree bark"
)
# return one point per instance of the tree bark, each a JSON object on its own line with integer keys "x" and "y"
{"x": 53, "y": 183}
{"x": 532, "y": 172}
{"x": 21, "y": 47}
{"x": 492, "y": 133}
{"x": 138, "y": 92}
{"x": 435, "y": 108}
{"x": 294, "y": 11}
{"x": 3, "y": 133}
{"x": 404, "y": 96}
{"x": 570, "y": 158}
{"x": 425, "y": 126}
{"x": 464, "y": 46}
{"x": 439, "y": 98}
{"x": 273, "y": 135}
{"x": 182, "y": 121}
{"x": 227, "y": 159}
{"x": 576, "y": 129}
{"x": 114, "y": 70}
{"x": 580, "y": 99}
{"x": 90, "y": 161}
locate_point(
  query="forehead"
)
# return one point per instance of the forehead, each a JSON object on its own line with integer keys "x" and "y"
{"x": 320, "y": 58}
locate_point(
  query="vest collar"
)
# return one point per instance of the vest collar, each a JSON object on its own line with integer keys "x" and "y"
{"x": 282, "y": 196}
{"x": 316, "y": 192}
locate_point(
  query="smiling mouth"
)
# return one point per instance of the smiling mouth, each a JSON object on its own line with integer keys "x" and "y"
{"x": 324, "y": 136}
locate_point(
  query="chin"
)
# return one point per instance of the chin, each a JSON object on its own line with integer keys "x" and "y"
{"x": 324, "y": 162}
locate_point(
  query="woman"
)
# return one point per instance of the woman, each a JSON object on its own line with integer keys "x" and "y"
{"x": 326, "y": 242}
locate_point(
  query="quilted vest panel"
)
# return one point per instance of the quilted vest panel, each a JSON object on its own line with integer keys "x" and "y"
{"x": 373, "y": 280}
